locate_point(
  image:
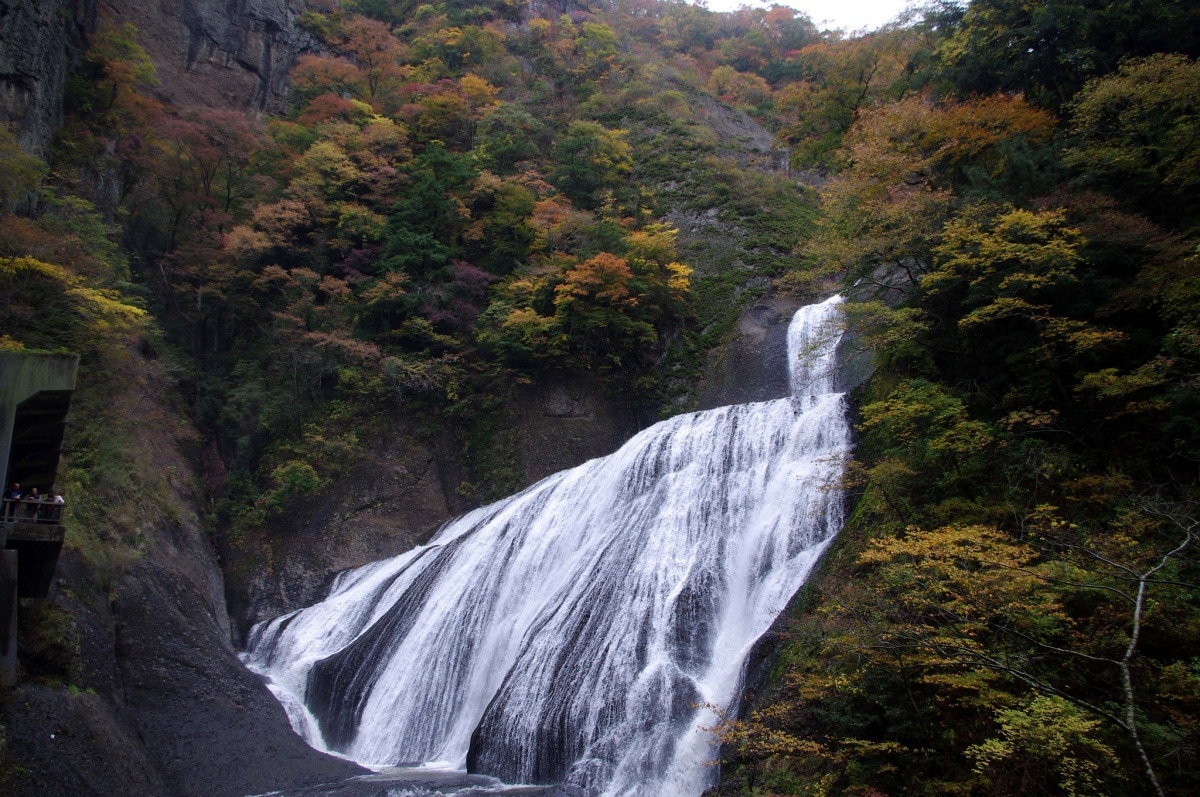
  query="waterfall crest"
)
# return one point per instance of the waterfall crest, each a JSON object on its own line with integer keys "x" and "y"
{"x": 568, "y": 634}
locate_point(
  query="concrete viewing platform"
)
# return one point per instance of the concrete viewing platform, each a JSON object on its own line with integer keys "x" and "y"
{"x": 37, "y": 545}
{"x": 35, "y": 399}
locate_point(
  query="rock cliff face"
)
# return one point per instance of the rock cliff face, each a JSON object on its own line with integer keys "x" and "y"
{"x": 395, "y": 498}
{"x": 39, "y": 39}
{"x": 213, "y": 53}
{"x": 753, "y": 366}
{"x": 219, "y": 53}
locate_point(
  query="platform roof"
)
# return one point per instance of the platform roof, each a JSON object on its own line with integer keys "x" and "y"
{"x": 35, "y": 399}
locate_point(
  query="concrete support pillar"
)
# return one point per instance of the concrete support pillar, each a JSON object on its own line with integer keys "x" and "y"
{"x": 8, "y": 617}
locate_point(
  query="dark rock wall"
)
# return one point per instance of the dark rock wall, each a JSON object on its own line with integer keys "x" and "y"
{"x": 219, "y": 53}
{"x": 394, "y": 499}
{"x": 39, "y": 40}
{"x": 564, "y": 422}
{"x": 164, "y": 707}
{"x": 212, "y": 53}
{"x": 753, "y": 366}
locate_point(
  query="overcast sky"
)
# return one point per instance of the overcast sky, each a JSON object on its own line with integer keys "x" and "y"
{"x": 850, "y": 15}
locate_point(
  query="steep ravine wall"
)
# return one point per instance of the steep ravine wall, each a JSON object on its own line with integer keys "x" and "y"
{"x": 753, "y": 365}
{"x": 158, "y": 703}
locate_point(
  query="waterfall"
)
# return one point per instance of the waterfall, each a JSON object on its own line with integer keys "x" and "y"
{"x": 574, "y": 632}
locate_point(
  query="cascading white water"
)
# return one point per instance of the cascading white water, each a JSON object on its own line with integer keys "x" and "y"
{"x": 573, "y": 633}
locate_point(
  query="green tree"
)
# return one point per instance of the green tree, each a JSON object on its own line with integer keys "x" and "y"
{"x": 110, "y": 88}
{"x": 839, "y": 79}
{"x": 501, "y": 238}
{"x": 1044, "y": 744}
{"x": 590, "y": 160}
{"x": 425, "y": 225}
{"x": 47, "y": 307}
{"x": 507, "y": 135}
{"x": 20, "y": 173}
{"x": 909, "y": 163}
{"x": 1137, "y": 131}
{"x": 1049, "y": 49}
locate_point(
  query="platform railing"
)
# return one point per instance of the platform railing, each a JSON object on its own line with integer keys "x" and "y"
{"x": 30, "y": 510}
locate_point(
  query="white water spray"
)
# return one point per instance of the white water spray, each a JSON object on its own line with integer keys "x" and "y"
{"x": 569, "y": 634}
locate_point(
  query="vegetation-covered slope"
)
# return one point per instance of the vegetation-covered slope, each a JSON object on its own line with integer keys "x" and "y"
{"x": 1014, "y": 607}
{"x": 461, "y": 198}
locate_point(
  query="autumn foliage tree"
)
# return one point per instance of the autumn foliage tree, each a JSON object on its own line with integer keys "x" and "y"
{"x": 837, "y": 80}
{"x": 1136, "y": 133}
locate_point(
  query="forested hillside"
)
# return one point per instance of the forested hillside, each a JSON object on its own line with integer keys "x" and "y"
{"x": 464, "y": 198}
{"x": 1014, "y": 606}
